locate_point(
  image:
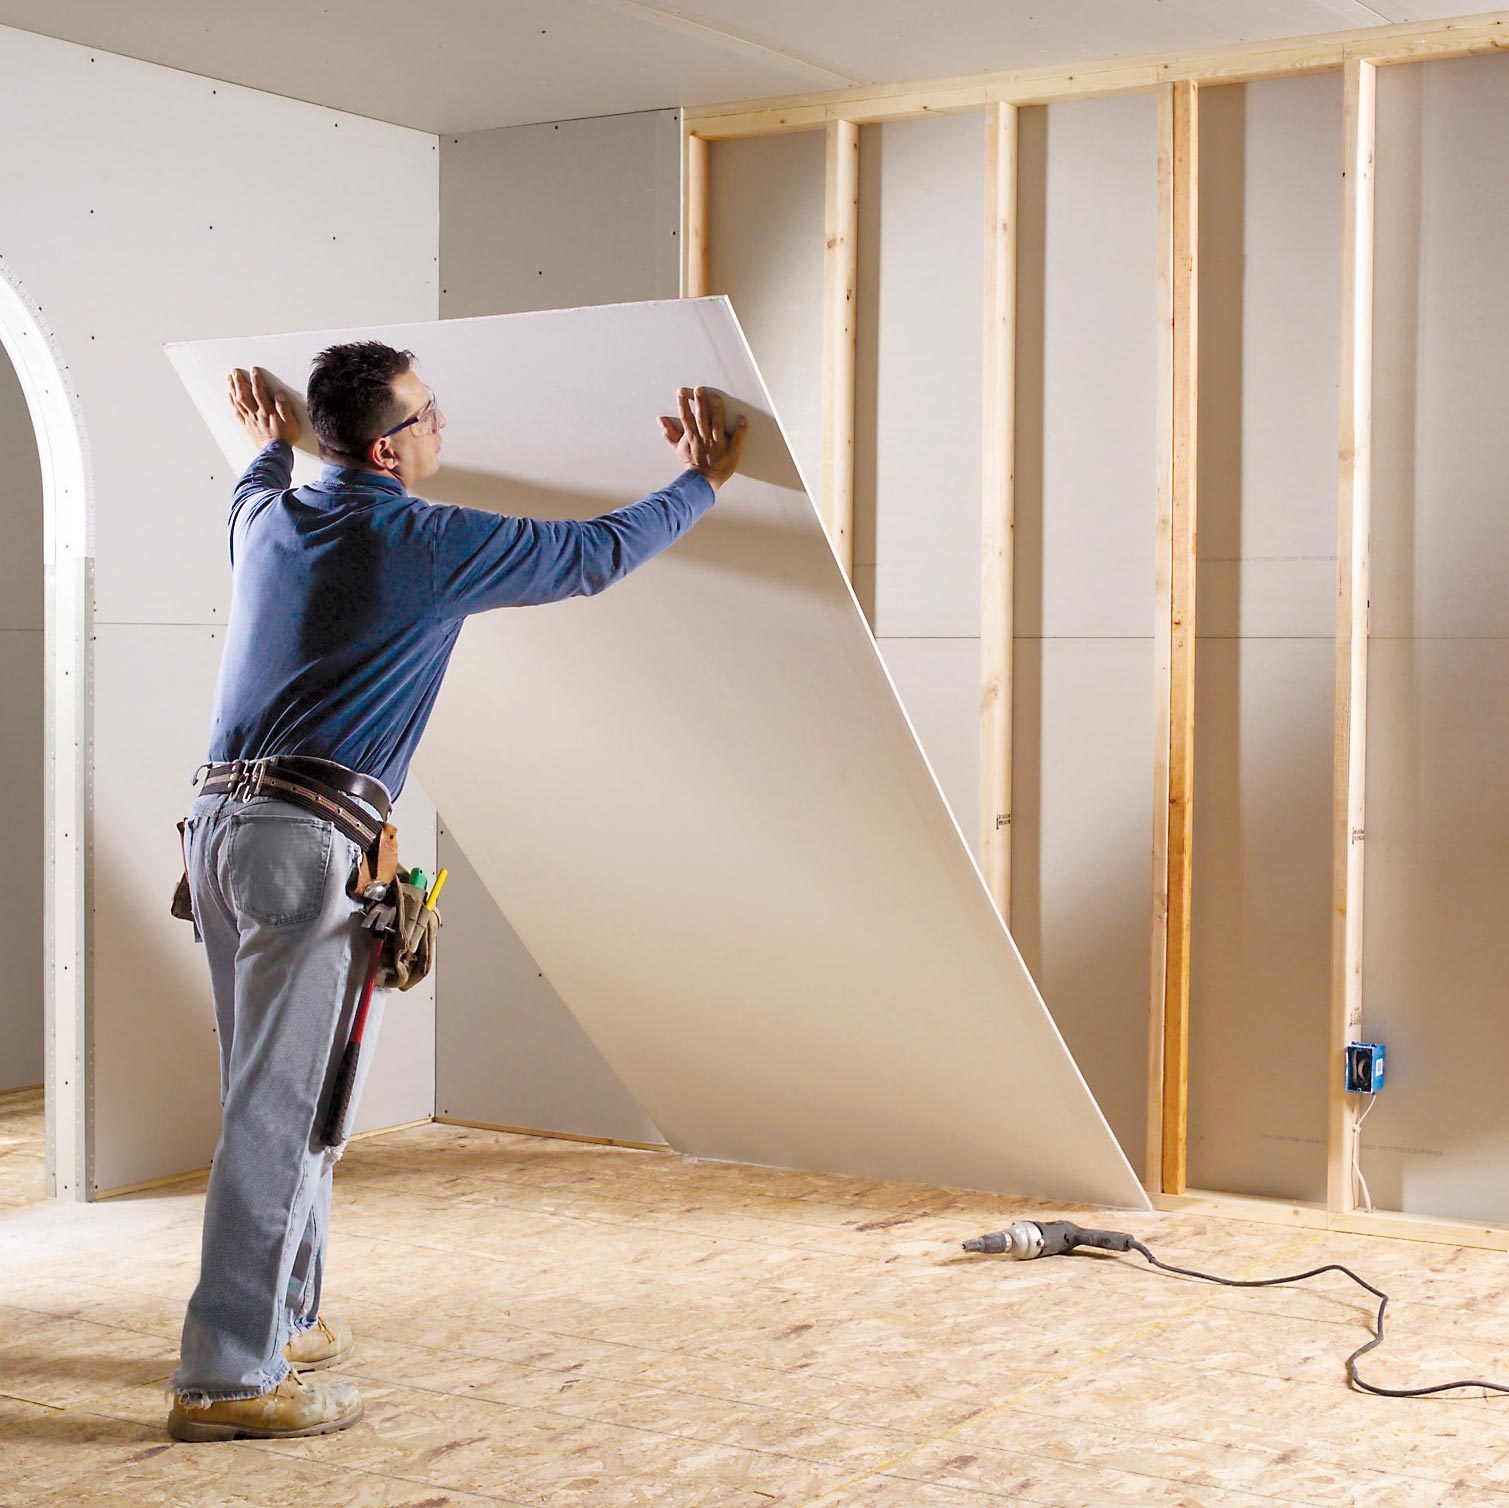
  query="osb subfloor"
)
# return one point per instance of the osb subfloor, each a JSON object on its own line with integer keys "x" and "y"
{"x": 546, "y": 1323}
{"x": 21, "y": 1151}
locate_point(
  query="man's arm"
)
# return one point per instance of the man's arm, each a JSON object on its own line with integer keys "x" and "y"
{"x": 483, "y": 560}
{"x": 269, "y": 419}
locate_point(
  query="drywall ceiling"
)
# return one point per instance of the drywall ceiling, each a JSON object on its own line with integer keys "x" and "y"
{"x": 469, "y": 65}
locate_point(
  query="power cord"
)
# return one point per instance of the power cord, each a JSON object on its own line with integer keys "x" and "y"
{"x": 1028, "y": 1239}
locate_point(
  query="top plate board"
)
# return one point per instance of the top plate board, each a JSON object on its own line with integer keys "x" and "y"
{"x": 697, "y": 798}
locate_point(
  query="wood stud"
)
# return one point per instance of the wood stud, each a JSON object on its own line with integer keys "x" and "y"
{"x": 840, "y": 270}
{"x": 998, "y": 493}
{"x": 1175, "y": 622}
{"x": 1162, "y": 638}
{"x": 695, "y": 172}
{"x": 1353, "y": 529}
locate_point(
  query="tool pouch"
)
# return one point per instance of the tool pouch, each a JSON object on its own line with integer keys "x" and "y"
{"x": 183, "y": 901}
{"x": 386, "y": 859}
{"x": 409, "y": 953}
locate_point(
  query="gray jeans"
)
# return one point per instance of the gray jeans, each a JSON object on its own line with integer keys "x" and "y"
{"x": 287, "y": 959}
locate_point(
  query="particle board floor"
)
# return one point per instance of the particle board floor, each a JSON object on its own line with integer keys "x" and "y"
{"x": 543, "y": 1322}
{"x": 21, "y": 1147}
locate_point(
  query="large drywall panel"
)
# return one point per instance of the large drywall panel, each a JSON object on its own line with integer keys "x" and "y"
{"x": 1086, "y": 356}
{"x": 140, "y": 205}
{"x": 919, "y": 317}
{"x": 574, "y": 212}
{"x": 1270, "y": 259}
{"x": 1082, "y": 695}
{"x": 155, "y": 1070}
{"x": 918, "y": 357}
{"x": 1081, "y": 901}
{"x": 156, "y": 1081}
{"x": 1260, "y": 960}
{"x": 765, "y": 233}
{"x": 1435, "y": 950}
{"x": 21, "y": 770}
{"x": 508, "y": 1052}
{"x": 566, "y": 214}
{"x": 699, "y": 802}
{"x": 938, "y": 681}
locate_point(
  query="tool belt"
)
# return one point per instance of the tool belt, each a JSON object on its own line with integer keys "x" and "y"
{"x": 395, "y": 907}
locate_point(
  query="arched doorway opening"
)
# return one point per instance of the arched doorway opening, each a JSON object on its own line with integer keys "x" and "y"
{"x": 62, "y": 886}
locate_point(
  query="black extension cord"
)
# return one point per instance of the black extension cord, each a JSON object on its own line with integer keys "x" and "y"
{"x": 1027, "y": 1239}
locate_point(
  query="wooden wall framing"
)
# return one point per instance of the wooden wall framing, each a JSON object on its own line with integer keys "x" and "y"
{"x": 998, "y": 503}
{"x": 1358, "y": 54}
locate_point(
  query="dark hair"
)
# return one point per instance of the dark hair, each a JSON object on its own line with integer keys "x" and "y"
{"x": 350, "y": 395}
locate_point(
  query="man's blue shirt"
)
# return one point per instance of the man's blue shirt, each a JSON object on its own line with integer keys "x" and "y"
{"x": 348, "y": 596}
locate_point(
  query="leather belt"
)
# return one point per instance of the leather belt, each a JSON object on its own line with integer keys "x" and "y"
{"x": 318, "y": 786}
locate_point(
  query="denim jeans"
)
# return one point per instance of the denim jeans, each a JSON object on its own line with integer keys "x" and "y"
{"x": 287, "y": 958}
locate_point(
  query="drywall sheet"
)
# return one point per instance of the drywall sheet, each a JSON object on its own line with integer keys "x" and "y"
{"x": 938, "y": 681}
{"x": 1086, "y": 494}
{"x": 919, "y": 313}
{"x": 1260, "y": 982}
{"x": 698, "y": 800}
{"x": 507, "y": 1050}
{"x": 130, "y": 218}
{"x": 1435, "y": 948}
{"x": 765, "y": 233}
{"x": 918, "y": 360}
{"x": 571, "y": 212}
{"x": 21, "y": 769}
{"x": 540, "y": 217}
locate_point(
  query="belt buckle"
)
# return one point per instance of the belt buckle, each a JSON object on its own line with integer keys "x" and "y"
{"x": 249, "y": 776}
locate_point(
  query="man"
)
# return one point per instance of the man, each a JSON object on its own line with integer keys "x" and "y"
{"x": 347, "y": 600}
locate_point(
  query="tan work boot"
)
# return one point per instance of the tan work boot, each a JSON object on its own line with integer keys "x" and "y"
{"x": 324, "y": 1343}
{"x": 292, "y": 1408}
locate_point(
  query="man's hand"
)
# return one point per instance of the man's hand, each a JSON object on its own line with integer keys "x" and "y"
{"x": 702, "y": 443}
{"x": 265, "y": 409}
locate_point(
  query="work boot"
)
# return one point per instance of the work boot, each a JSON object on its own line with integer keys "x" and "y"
{"x": 324, "y": 1343}
{"x": 292, "y": 1408}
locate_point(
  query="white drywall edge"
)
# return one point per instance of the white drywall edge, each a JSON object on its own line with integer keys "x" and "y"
{"x": 697, "y": 797}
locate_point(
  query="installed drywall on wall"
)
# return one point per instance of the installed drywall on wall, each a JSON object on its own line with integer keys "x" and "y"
{"x": 1082, "y": 701}
{"x": 541, "y": 217}
{"x": 918, "y": 356}
{"x": 1435, "y": 948}
{"x": 140, "y": 206}
{"x": 765, "y": 236}
{"x": 557, "y": 215}
{"x": 1270, "y": 260}
{"x": 21, "y": 835}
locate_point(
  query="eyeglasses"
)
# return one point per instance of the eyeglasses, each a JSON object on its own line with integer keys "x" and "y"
{"x": 429, "y": 415}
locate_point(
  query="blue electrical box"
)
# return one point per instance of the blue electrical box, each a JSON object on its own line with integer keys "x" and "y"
{"x": 1365, "y": 1065}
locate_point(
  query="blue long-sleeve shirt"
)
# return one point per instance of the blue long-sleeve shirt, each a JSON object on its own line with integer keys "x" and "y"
{"x": 348, "y": 596}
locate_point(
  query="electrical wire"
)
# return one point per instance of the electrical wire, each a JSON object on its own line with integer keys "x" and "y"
{"x": 1377, "y": 1340}
{"x": 1361, "y": 1182}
